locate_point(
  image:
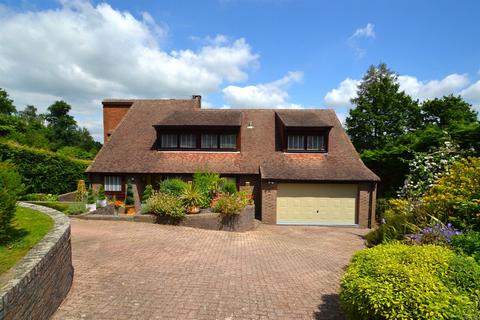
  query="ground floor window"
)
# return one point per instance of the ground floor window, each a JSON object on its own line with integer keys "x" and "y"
{"x": 113, "y": 183}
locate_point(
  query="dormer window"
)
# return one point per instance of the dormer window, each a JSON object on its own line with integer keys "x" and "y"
{"x": 301, "y": 132}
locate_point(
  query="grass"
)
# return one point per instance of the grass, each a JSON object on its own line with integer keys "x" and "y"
{"x": 29, "y": 227}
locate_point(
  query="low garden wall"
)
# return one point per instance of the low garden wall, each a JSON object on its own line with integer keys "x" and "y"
{"x": 244, "y": 221}
{"x": 37, "y": 285}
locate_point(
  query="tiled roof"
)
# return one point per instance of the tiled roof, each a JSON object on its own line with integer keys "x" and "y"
{"x": 303, "y": 118}
{"x": 203, "y": 118}
{"x": 129, "y": 149}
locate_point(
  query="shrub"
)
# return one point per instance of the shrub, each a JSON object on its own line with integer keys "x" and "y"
{"x": 398, "y": 281}
{"x": 208, "y": 183}
{"x": 40, "y": 197}
{"x": 190, "y": 196}
{"x": 44, "y": 171}
{"x": 229, "y": 187}
{"x": 101, "y": 193}
{"x": 91, "y": 196}
{"x": 147, "y": 193}
{"x": 230, "y": 204}
{"x": 455, "y": 196}
{"x": 10, "y": 188}
{"x": 76, "y": 152}
{"x": 76, "y": 208}
{"x": 129, "y": 199}
{"x": 401, "y": 217}
{"x": 60, "y": 206}
{"x": 468, "y": 243}
{"x": 81, "y": 191}
{"x": 165, "y": 205}
{"x": 436, "y": 233}
{"x": 172, "y": 186}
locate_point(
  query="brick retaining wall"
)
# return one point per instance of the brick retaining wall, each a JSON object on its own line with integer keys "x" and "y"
{"x": 37, "y": 285}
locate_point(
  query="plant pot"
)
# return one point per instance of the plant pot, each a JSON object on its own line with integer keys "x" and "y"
{"x": 102, "y": 203}
{"x": 193, "y": 210}
{"x": 121, "y": 210}
{"x": 91, "y": 207}
{"x": 130, "y": 210}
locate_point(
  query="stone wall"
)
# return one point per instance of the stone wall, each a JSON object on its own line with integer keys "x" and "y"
{"x": 37, "y": 285}
{"x": 244, "y": 221}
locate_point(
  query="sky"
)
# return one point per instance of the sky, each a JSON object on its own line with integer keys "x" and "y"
{"x": 235, "y": 53}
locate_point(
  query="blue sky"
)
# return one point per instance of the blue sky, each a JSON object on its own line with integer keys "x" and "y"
{"x": 236, "y": 53}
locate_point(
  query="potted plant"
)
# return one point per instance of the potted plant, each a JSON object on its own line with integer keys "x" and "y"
{"x": 129, "y": 200}
{"x": 91, "y": 206}
{"x": 102, "y": 199}
{"x": 191, "y": 198}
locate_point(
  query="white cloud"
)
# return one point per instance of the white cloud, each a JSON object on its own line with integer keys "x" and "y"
{"x": 340, "y": 97}
{"x": 267, "y": 95}
{"x": 83, "y": 53}
{"x": 367, "y": 32}
{"x": 455, "y": 83}
{"x": 472, "y": 94}
{"x": 434, "y": 88}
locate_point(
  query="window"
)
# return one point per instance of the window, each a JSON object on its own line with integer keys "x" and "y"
{"x": 209, "y": 141}
{"x": 228, "y": 141}
{"x": 198, "y": 139}
{"x": 113, "y": 183}
{"x": 188, "y": 141}
{"x": 296, "y": 142}
{"x": 168, "y": 141}
{"x": 312, "y": 143}
{"x": 315, "y": 142}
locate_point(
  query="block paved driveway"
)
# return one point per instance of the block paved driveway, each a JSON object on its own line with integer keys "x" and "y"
{"x": 126, "y": 270}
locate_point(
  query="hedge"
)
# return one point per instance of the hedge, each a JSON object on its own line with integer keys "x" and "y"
{"x": 44, "y": 171}
{"x": 398, "y": 281}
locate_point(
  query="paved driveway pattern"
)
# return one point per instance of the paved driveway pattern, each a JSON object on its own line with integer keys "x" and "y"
{"x": 127, "y": 270}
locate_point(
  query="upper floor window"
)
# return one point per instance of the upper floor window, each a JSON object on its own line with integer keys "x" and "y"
{"x": 308, "y": 142}
{"x": 198, "y": 141}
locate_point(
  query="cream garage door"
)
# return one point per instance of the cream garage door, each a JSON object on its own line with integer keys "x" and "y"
{"x": 316, "y": 204}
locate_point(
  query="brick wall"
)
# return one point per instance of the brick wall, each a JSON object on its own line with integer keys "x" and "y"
{"x": 37, "y": 285}
{"x": 112, "y": 115}
{"x": 364, "y": 191}
{"x": 269, "y": 202}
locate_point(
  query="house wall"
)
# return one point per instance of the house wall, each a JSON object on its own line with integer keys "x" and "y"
{"x": 113, "y": 113}
{"x": 269, "y": 201}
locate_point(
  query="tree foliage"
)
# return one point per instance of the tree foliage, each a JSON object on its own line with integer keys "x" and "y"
{"x": 6, "y": 104}
{"x": 382, "y": 112}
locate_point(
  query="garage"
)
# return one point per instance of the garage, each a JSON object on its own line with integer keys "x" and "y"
{"x": 316, "y": 204}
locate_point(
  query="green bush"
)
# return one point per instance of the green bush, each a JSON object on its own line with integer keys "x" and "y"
{"x": 40, "y": 197}
{"x": 147, "y": 193}
{"x": 129, "y": 199}
{"x": 468, "y": 243}
{"x": 165, "y": 205}
{"x": 172, "y": 186}
{"x": 190, "y": 196}
{"x": 75, "y": 208}
{"x": 101, "y": 193}
{"x": 398, "y": 281}
{"x": 230, "y": 204}
{"x": 401, "y": 217}
{"x": 76, "y": 152}
{"x": 60, "y": 206}
{"x": 90, "y": 196}
{"x": 229, "y": 187}
{"x": 208, "y": 183}
{"x": 10, "y": 188}
{"x": 44, "y": 171}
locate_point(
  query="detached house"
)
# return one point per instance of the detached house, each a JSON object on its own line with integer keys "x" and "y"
{"x": 301, "y": 164}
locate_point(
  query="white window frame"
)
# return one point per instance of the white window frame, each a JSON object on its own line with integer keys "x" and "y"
{"x": 113, "y": 183}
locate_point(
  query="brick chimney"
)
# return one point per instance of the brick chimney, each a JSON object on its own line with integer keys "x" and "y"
{"x": 113, "y": 112}
{"x": 198, "y": 101}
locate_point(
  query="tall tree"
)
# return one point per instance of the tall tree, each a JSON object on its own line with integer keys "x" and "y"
{"x": 29, "y": 114}
{"x": 62, "y": 126}
{"x": 381, "y": 111}
{"x": 6, "y": 104}
{"x": 448, "y": 111}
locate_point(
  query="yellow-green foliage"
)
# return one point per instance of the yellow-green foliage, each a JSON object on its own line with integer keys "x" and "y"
{"x": 44, "y": 171}
{"x": 456, "y": 195}
{"x": 398, "y": 281}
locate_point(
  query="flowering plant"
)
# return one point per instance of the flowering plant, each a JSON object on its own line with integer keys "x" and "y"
{"x": 436, "y": 233}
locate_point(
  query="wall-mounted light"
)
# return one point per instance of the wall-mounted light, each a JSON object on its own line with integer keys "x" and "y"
{"x": 250, "y": 125}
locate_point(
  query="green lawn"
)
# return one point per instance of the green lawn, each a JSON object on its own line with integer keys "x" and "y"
{"x": 30, "y": 226}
